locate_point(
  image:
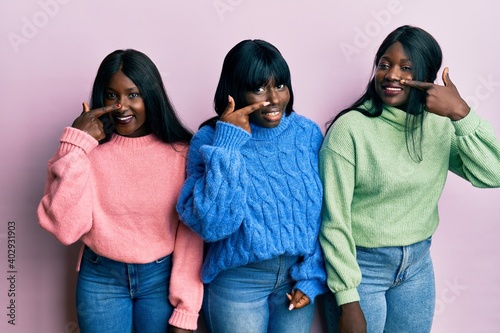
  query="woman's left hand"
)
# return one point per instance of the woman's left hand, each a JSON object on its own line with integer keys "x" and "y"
{"x": 297, "y": 299}
{"x": 444, "y": 100}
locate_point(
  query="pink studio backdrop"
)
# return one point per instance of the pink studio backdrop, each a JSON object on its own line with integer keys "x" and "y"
{"x": 50, "y": 51}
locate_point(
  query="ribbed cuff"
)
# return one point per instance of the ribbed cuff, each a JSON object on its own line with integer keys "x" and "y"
{"x": 311, "y": 288}
{"x": 79, "y": 138}
{"x": 467, "y": 125}
{"x": 184, "y": 320}
{"x": 229, "y": 136}
{"x": 347, "y": 296}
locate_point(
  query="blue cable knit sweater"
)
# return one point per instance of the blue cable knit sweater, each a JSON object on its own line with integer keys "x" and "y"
{"x": 257, "y": 196}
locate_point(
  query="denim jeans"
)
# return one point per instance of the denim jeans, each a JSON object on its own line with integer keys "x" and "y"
{"x": 252, "y": 299}
{"x": 113, "y": 297}
{"x": 397, "y": 290}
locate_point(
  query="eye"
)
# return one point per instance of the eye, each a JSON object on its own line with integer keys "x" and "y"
{"x": 383, "y": 65}
{"x": 109, "y": 95}
{"x": 259, "y": 90}
{"x": 406, "y": 68}
{"x": 134, "y": 95}
{"x": 280, "y": 86}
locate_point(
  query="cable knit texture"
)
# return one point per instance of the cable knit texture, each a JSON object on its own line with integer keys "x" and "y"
{"x": 257, "y": 196}
{"x": 375, "y": 195}
{"x": 119, "y": 199}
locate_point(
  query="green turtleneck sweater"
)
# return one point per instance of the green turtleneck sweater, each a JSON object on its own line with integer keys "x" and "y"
{"x": 376, "y": 195}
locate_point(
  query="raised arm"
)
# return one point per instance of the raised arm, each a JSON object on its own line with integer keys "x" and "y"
{"x": 66, "y": 207}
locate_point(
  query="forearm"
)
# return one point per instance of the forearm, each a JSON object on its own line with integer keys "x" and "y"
{"x": 66, "y": 207}
{"x": 336, "y": 238}
{"x": 310, "y": 274}
{"x": 213, "y": 199}
{"x": 186, "y": 288}
{"x": 475, "y": 152}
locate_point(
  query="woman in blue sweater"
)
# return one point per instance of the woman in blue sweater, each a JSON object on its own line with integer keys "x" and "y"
{"x": 253, "y": 193}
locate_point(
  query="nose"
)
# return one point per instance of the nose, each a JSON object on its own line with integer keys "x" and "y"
{"x": 394, "y": 74}
{"x": 272, "y": 96}
{"x": 123, "y": 100}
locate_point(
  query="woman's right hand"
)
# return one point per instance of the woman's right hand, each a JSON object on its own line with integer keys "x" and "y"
{"x": 352, "y": 319}
{"x": 89, "y": 121}
{"x": 240, "y": 117}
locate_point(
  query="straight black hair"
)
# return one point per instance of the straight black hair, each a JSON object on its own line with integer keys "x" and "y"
{"x": 138, "y": 67}
{"x": 426, "y": 57}
{"x": 249, "y": 65}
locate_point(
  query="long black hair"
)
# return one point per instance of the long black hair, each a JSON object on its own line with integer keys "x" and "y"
{"x": 138, "y": 67}
{"x": 250, "y": 64}
{"x": 426, "y": 57}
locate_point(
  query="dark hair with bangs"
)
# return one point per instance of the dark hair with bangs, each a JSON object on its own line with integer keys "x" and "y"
{"x": 160, "y": 114}
{"x": 426, "y": 57}
{"x": 249, "y": 65}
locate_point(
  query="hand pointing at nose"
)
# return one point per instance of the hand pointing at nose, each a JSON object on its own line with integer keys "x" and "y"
{"x": 89, "y": 122}
{"x": 444, "y": 100}
{"x": 240, "y": 117}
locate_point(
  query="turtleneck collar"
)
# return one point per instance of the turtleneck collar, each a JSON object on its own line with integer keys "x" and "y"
{"x": 391, "y": 115}
{"x": 263, "y": 133}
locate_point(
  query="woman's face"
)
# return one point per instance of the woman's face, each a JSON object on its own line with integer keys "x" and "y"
{"x": 278, "y": 97}
{"x": 130, "y": 118}
{"x": 393, "y": 66}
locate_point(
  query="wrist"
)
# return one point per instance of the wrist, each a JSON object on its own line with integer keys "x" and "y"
{"x": 463, "y": 111}
{"x": 350, "y": 307}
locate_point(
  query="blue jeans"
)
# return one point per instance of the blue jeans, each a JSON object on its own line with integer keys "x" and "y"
{"x": 252, "y": 299}
{"x": 113, "y": 297}
{"x": 397, "y": 290}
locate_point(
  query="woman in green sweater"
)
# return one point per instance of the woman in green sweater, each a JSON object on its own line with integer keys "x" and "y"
{"x": 384, "y": 163}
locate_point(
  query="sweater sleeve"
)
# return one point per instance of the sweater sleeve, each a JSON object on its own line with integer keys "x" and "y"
{"x": 310, "y": 274}
{"x": 186, "y": 288}
{"x": 213, "y": 199}
{"x": 475, "y": 151}
{"x": 343, "y": 273}
{"x": 66, "y": 207}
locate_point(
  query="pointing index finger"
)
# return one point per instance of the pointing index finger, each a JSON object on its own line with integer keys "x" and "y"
{"x": 105, "y": 109}
{"x": 416, "y": 84}
{"x": 253, "y": 107}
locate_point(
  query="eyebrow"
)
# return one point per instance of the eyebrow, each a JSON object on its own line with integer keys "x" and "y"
{"x": 389, "y": 58}
{"x": 127, "y": 89}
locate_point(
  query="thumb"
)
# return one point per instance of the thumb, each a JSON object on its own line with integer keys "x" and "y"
{"x": 85, "y": 107}
{"x": 230, "y": 106}
{"x": 446, "y": 76}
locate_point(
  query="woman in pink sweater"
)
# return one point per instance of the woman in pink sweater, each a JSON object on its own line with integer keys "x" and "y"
{"x": 113, "y": 184}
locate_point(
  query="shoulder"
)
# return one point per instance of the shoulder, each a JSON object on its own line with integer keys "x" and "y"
{"x": 203, "y": 136}
{"x": 179, "y": 148}
{"x": 349, "y": 122}
{"x": 352, "y": 118}
{"x": 346, "y": 130}
{"x": 305, "y": 123}
{"x": 302, "y": 120}
{"x": 304, "y": 132}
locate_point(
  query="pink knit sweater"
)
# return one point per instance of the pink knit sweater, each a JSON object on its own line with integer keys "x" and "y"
{"x": 119, "y": 199}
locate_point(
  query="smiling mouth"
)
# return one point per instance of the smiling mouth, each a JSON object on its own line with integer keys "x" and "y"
{"x": 122, "y": 120}
{"x": 393, "y": 89}
{"x": 271, "y": 114}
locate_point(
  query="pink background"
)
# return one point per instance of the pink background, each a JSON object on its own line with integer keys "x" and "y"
{"x": 50, "y": 51}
